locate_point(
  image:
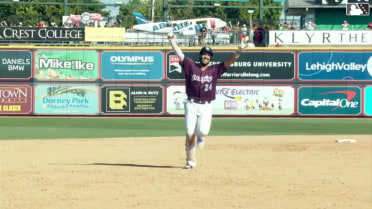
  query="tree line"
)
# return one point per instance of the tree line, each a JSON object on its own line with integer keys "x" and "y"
{"x": 34, "y": 11}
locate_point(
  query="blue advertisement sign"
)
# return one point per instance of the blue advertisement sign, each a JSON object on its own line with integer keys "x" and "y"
{"x": 129, "y": 65}
{"x": 323, "y": 100}
{"x": 335, "y": 66}
{"x": 368, "y": 100}
{"x": 66, "y": 99}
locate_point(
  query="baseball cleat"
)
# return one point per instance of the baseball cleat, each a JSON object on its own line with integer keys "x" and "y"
{"x": 200, "y": 143}
{"x": 190, "y": 164}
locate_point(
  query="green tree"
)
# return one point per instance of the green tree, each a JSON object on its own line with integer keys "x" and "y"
{"x": 30, "y": 12}
{"x": 182, "y": 9}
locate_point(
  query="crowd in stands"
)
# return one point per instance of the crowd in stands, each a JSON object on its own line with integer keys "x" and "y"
{"x": 40, "y": 24}
{"x": 253, "y": 35}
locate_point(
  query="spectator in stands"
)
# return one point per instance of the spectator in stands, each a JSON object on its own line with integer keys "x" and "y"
{"x": 265, "y": 39}
{"x": 310, "y": 26}
{"x": 258, "y": 36}
{"x": 53, "y": 24}
{"x": 3, "y": 24}
{"x": 345, "y": 25}
{"x": 235, "y": 33}
{"x": 280, "y": 26}
{"x": 203, "y": 35}
{"x": 41, "y": 24}
{"x": 226, "y": 29}
{"x": 20, "y": 24}
{"x": 286, "y": 26}
{"x": 251, "y": 31}
{"x": 369, "y": 26}
{"x": 214, "y": 35}
{"x": 244, "y": 33}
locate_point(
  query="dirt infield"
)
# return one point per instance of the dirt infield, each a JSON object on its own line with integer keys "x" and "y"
{"x": 268, "y": 172}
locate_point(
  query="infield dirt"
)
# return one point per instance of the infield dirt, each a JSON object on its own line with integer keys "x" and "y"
{"x": 268, "y": 172}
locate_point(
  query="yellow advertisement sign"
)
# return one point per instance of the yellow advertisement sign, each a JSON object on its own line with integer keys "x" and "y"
{"x": 104, "y": 34}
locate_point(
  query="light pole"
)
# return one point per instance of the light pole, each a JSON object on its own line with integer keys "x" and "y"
{"x": 250, "y": 11}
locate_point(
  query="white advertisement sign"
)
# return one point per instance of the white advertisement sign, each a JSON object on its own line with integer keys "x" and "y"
{"x": 240, "y": 100}
{"x": 321, "y": 37}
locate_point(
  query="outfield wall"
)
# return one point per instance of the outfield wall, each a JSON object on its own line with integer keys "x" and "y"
{"x": 124, "y": 81}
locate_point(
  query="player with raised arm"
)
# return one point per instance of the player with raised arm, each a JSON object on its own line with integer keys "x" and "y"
{"x": 200, "y": 81}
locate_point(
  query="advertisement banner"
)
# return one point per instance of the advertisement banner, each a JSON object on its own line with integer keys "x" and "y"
{"x": 368, "y": 100}
{"x": 130, "y": 100}
{"x": 36, "y": 34}
{"x": 132, "y": 65}
{"x": 15, "y": 64}
{"x": 335, "y": 66}
{"x": 104, "y": 34}
{"x": 329, "y": 100}
{"x": 320, "y": 37}
{"x": 66, "y": 65}
{"x": 15, "y": 99}
{"x": 66, "y": 99}
{"x": 252, "y": 65}
{"x": 239, "y": 100}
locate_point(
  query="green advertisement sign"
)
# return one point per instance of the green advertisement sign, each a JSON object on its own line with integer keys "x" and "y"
{"x": 66, "y": 65}
{"x": 329, "y": 100}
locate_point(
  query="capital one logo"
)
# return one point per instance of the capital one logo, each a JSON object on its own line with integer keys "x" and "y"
{"x": 329, "y": 100}
{"x": 337, "y": 103}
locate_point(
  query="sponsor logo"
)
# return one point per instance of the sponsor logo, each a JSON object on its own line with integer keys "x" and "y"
{"x": 230, "y": 105}
{"x": 237, "y": 93}
{"x": 174, "y": 64}
{"x": 343, "y": 103}
{"x": 58, "y": 64}
{"x": 13, "y": 94}
{"x": 23, "y": 33}
{"x": 15, "y": 99}
{"x": 357, "y": 9}
{"x": 330, "y": 100}
{"x": 133, "y": 59}
{"x": 118, "y": 99}
{"x": 337, "y": 103}
{"x": 335, "y": 66}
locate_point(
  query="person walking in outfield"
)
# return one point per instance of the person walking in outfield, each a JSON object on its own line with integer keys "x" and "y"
{"x": 200, "y": 81}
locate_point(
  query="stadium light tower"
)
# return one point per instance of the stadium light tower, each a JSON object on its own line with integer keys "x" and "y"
{"x": 250, "y": 11}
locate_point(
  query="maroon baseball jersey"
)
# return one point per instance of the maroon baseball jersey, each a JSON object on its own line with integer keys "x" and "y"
{"x": 201, "y": 85}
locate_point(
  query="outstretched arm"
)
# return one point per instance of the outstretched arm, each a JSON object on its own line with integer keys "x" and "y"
{"x": 175, "y": 47}
{"x": 235, "y": 56}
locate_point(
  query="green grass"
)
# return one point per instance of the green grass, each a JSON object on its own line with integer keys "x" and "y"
{"x": 54, "y": 128}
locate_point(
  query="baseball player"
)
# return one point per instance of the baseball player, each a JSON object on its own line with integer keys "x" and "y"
{"x": 200, "y": 81}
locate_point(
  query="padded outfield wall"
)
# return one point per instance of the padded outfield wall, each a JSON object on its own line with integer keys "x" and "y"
{"x": 124, "y": 81}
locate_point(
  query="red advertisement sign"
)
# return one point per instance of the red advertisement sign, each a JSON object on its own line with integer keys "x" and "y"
{"x": 15, "y": 99}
